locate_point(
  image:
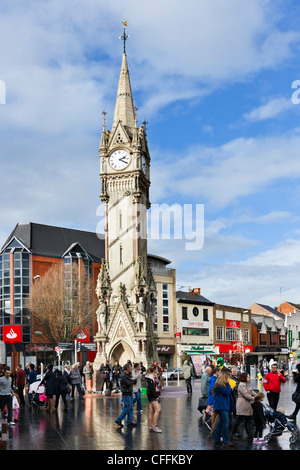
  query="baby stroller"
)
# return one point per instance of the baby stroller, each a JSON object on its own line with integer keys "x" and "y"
{"x": 38, "y": 399}
{"x": 279, "y": 424}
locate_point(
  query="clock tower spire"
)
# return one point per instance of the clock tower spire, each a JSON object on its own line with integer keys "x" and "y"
{"x": 126, "y": 288}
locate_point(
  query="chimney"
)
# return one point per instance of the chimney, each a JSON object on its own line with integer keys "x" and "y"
{"x": 195, "y": 290}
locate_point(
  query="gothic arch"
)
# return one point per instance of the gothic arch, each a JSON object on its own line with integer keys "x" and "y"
{"x": 121, "y": 351}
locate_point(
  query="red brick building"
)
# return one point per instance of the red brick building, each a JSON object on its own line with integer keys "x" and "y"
{"x": 29, "y": 252}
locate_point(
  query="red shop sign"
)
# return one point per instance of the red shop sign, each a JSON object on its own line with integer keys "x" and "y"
{"x": 233, "y": 324}
{"x": 12, "y": 333}
{"x": 82, "y": 334}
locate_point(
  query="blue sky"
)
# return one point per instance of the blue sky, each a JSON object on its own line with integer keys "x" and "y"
{"x": 213, "y": 80}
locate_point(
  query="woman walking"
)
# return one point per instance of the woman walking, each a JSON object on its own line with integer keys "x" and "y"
{"x": 51, "y": 389}
{"x": 62, "y": 384}
{"x": 153, "y": 394}
{"x": 76, "y": 381}
{"x": 223, "y": 405}
{"x": 244, "y": 410}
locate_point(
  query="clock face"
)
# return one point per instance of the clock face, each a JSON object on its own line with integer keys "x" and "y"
{"x": 144, "y": 165}
{"x": 119, "y": 159}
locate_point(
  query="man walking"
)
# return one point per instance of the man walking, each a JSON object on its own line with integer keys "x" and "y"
{"x": 204, "y": 381}
{"x": 187, "y": 374}
{"x": 126, "y": 383}
{"x": 20, "y": 383}
{"x": 6, "y": 394}
{"x": 272, "y": 385}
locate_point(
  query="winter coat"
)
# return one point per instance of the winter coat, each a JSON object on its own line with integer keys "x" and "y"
{"x": 258, "y": 413}
{"x": 126, "y": 384}
{"x": 223, "y": 400}
{"x": 153, "y": 389}
{"x": 187, "y": 370}
{"x": 88, "y": 372}
{"x": 272, "y": 382}
{"x": 138, "y": 384}
{"x": 244, "y": 400}
{"x": 116, "y": 370}
{"x": 105, "y": 371}
{"x": 205, "y": 384}
{"x": 211, "y": 383}
{"x": 50, "y": 382}
{"x": 75, "y": 376}
{"x": 61, "y": 384}
{"x": 67, "y": 374}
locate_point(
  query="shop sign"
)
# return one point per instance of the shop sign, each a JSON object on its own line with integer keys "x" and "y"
{"x": 195, "y": 324}
{"x": 196, "y": 348}
{"x": 233, "y": 324}
{"x": 82, "y": 334}
{"x": 12, "y": 333}
{"x": 165, "y": 349}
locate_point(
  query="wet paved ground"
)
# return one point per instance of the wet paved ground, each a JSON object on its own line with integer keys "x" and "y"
{"x": 89, "y": 425}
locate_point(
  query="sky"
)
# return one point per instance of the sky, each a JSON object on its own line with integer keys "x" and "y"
{"x": 217, "y": 84}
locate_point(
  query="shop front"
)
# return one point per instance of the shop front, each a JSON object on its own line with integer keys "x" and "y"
{"x": 166, "y": 354}
{"x": 234, "y": 353}
{"x": 198, "y": 355}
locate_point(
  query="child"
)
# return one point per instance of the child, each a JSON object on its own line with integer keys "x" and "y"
{"x": 258, "y": 418}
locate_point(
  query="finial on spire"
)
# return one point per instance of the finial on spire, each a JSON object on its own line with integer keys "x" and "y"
{"x": 104, "y": 114}
{"x": 124, "y": 35}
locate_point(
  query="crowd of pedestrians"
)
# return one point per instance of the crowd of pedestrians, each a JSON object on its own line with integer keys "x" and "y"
{"x": 231, "y": 403}
{"x": 77, "y": 380}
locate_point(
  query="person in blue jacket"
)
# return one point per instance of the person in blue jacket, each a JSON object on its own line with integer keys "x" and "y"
{"x": 223, "y": 405}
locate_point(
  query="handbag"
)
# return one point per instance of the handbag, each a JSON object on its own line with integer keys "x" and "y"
{"x": 202, "y": 404}
{"x": 296, "y": 397}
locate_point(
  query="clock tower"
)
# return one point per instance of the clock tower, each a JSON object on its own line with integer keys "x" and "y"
{"x": 125, "y": 288}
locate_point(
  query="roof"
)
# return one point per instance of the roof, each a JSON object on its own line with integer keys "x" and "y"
{"x": 158, "y": 258}
{"x": 47, "y": 240}
{"x": 271, "y": 310}
{"x": 271, "y": 324}
{"x": 192, "y": 298}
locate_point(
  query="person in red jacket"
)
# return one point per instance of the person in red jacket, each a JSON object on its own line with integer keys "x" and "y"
{"x": 272, "y": 385}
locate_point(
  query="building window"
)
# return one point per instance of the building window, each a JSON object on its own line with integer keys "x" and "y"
{"x": 166, "y": 316}
{"x": 195, "y": 311}
{"x": 184, "y": 313}
{"x": 195, "y": 331}
{"x": 205, "y": 314}
{"x": 246, "y": 336}
{"x": 121, "y": 255}
{"x": 15, "y": 267}
{"x": 232, "y": 334}
{"x": 155, "y": 312}
{"x": 220, "y": 333}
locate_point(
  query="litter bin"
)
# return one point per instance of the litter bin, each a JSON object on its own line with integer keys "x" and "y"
{"x": 253, "y": 372}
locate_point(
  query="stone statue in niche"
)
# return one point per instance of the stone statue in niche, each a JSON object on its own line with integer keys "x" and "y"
{"x": 101, "y": 316}
{"x": 141, "y": 315}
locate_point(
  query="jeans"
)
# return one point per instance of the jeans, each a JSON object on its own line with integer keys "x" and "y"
{"x": 138, "y": 400}
{"x": 127, "y": 410}
{"x": 222, "y": 427}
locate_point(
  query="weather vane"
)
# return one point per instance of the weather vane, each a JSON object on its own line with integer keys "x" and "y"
{"x": 124, "y": 35}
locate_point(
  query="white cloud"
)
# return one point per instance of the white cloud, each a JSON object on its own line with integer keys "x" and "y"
{"x": 271, "y": 109}
{"x": 221, "y": 175}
